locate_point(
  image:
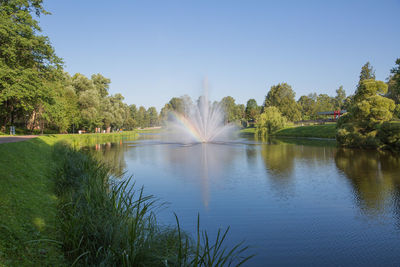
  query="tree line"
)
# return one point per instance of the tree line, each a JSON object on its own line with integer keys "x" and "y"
{"x": 37, "y": 94}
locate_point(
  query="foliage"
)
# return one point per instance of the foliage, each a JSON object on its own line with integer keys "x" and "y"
{"x": 324, "y": 103}
{"x": 389, "y": 135}
{"x": 394, "y": 83}
{"x": 396, "y": 111}
{"x": 34, "y": 91}
{"x": 307, "y": 105}
{"x": 270, "y": 121}
{"x": 229, "y": 106}
{"x": 27, "y": 60}
{"x": 367, "y": 73}
{"x": 152, "y": 116}
{"x": 282, "y": 97}
{"x": 340, "y": 98}
{"x": 360, "y": 127}
{"x": 252, "y": 110}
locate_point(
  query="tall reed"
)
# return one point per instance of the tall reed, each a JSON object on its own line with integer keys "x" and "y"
{"x": 110, "y": 223}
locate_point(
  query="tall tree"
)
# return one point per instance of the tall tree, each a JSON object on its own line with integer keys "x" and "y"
{"x": 142, "y": 118}
{"x": 152, "y": 116}
{"x": 340, "y": 98}
{"x": 165, "y": 112}
{"x": 27, "y": 60}
{"x": 101, "y": 83}
{"x": 324, "y": 103}
{"x": 252, "y": 110}
{"x": 307, "y": 106}
{"x": 228, "y": 105}
{"x": 282, "y": 97}
{"x": 394, "y": 83}
{"x": 177, "y": 104}
{"x": 367, "y": 72}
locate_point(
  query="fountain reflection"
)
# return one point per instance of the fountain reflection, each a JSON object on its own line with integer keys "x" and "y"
{"x": 204, "y": 163}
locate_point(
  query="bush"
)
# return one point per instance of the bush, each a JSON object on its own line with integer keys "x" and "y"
{"x": 396, "y": 111}
{"x": 389, "y": 135}
{"x": 270, "y": 121}
{"x": 361, "y": 127}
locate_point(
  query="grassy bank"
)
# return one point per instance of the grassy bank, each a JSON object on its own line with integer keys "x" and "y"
{"x": 311, "y": 131}
{"x": 28, "y": 216}
{"x": 314, "y": 131}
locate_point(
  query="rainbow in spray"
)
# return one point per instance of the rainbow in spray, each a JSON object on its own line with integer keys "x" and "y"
{"x": 201, "y": 122}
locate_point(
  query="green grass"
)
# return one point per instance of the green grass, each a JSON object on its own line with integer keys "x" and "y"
{"x": 157, "y": 130}
{"x": 28, "y": 204}
{"x": 314, "y": 131}
{"x": 249, "y": 130}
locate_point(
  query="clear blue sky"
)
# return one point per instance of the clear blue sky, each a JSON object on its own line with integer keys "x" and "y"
{"x": 154, "y": 50}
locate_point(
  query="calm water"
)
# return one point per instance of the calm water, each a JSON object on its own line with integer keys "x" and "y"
{"x": 295, "y": 202}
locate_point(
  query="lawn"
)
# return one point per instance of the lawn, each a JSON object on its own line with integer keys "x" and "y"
{"x": 312, "y": 131}
{"x": 28, "y": 217}
{"x": 315, "y": 131}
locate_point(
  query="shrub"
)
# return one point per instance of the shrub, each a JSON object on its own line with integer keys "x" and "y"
{"x": 270, "y": 121}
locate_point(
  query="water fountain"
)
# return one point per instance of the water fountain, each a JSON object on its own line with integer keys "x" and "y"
{"x": 200, "y": 122}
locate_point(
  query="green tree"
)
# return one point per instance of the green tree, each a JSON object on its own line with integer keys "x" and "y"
{"x": 164, "y": 112}
{"x": 270, "y": 121}
{"x": 340, "y": 98}
{"x": 307, "y": 105}
{"x": 324, "y": 103}
{"x": 252, "y": 110}
{"x": 394, "y": 83}
{"x": 27, "y": 60}
{"x": 228, "y": 105}
{"x": 369, "y": 111}
{"x": 152, "y": 116}
{"x": 62, "y": 113}
{"x": 367, "y": 73}
{"x": 101, "y": 83}
{"x": 142, "y": 118}
{"x": 282, "y": 96}
{"x": 90, "y": 103}
{"x": 133, "y": 115}
{"x": 177, "y": 105}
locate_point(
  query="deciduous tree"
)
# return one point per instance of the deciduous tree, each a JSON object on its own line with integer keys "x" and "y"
{"x": 282, "y": 96}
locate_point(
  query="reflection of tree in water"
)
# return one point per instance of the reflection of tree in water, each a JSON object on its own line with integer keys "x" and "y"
{"x": 374, "y": 175}
{"x": 280, "y": 158}
{"x": 111, "y": 154}
{"x": 204, "y": 162}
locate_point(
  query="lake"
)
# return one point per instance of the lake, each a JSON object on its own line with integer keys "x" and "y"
{"x": 295, "y": 202}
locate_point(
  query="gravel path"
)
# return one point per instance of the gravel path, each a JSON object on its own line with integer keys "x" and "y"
{"x": 11, "y": 139}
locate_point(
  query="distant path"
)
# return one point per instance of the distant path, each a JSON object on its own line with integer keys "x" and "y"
{"x": 12, "y": 139}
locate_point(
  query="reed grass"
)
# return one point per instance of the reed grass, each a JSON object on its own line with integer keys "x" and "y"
{"x": 107, "y": 222}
